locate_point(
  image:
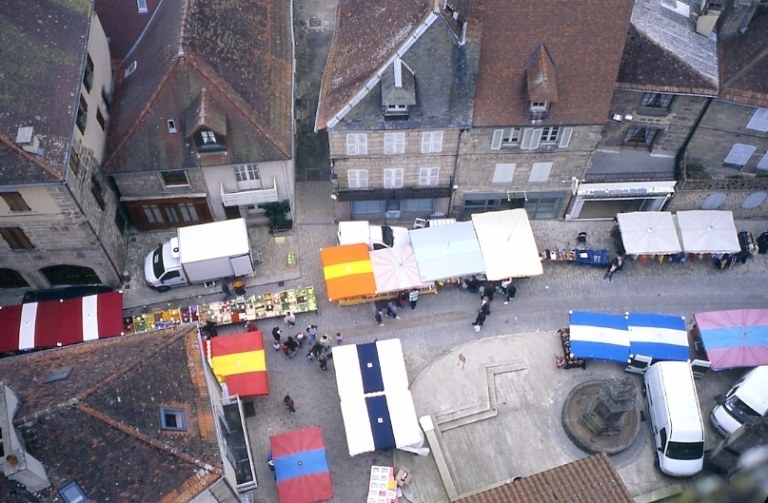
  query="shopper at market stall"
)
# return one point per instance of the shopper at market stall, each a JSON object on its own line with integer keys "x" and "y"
{"x": 289, "y": 347}
{"x": 290, "y": 319}
{"x": 379, "y": 317}
{"x": 277, "y": 335}
{"x": 312, "y": 333}
{"x": 413, "y": 297}
{"x": 479, "y": 320}
{"x": 509, "y": 290}
{"x": 392, "y": 310}
{"x": 300, "y": 338}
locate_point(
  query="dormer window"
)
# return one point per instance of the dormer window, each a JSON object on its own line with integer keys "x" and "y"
{"x": 538, "y": 106}
{"x": 398, "y": 91}
{"x": 208, "y": 141}
{"x": 541, "y": 85}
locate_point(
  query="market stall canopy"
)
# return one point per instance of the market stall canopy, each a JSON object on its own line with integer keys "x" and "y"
{"x": 599, "y": 336}
{"x": 52, "y": 323}
{"x": 649, "y": 232}
{"x": 735, "y": 338}
{"x": 395, "y": 269}
{"x": 238, "y": 361}
{"x": 447, "y": 251}
{"x": 659, "y": 336}
{"x": 301, "y": 467}
{"x": 708, "y": 231}
{"x": 348, "y": 271}
{"x": 507, "y": 243}
{"x": 376, "y": 405}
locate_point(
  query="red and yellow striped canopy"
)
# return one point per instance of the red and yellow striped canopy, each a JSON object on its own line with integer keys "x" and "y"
{"x": 348, "y": 271}
{"x": 239, "y": 361}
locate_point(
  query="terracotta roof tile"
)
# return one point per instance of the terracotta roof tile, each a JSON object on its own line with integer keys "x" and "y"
{"x": 104, "y": 418}
{"x": 588, "y": 480}
{"x": 584, "y": 40}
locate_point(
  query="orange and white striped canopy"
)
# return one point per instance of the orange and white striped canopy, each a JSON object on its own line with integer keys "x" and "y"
{"x": 348, "y": 271}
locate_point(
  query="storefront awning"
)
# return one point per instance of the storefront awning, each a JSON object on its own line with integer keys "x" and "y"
{"x": 648, "y": 232}
{"x": 507, "y": 243}
{"x": 39, "y": 325}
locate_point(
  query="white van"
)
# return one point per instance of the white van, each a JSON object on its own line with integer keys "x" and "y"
{"x": 747, "y": 399}
{"x": 673, "y": 407}
{"x": 375, "y": 236}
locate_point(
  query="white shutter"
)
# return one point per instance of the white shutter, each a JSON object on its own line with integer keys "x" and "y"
{"x": 565, "y": 137}
{"x": 525, "y": 143}
{"x": 357, "y": 178}
{"x": 399, "y": 143}
{"x": 759, "y": 120}
{"x": 394, "y": 143}
{"x": 428, "y": 176}
{"x": 540, "y": 172}
{"x": 393, "y": 178}
{"x": 496, "y": 141}
{"x": 536, "y": 138}
{"x": 503, "y": 173}
{"x": 362, "y": 144}
{"x": 426, "y": 143}
{"x": 351, "y": 144}
{"x": 740, "y": 154}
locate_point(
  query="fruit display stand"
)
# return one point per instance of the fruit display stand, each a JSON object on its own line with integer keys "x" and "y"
{"x": 257, "y": 307}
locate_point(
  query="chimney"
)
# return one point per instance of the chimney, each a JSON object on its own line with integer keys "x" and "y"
{"x": 398, "y": 73}
{"x": 27, "y": 140}
{"x": 710, "y": 13}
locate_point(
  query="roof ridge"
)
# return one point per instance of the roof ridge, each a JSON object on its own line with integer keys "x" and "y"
{"x": 202, "y": 67}
{"x": 183, "y": 28}
{"x": 38, "y": 162}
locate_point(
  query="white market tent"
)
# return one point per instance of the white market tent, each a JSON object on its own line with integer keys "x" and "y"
{"x": 507, "y": 243}
{"x": 708, "y": 231}
{"x": 395, "y": 269}
{"x": 447, "y": 251}
{"x": 649, "y": 233}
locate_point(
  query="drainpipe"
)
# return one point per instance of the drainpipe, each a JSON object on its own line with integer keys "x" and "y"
{"x": 681, "y": 155}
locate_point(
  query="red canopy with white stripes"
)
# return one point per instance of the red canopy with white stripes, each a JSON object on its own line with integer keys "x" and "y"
{"x": 52, "y": 323}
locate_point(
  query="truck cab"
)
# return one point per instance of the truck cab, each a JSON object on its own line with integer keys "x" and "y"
{"x": 162, "y": 267}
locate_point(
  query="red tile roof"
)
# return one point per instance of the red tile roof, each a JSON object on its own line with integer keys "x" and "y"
{"x": 588, "y": 480}
{"x": 585, "y": 41}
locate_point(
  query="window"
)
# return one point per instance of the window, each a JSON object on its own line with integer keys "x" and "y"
{"x": 174, "y": 178}
{"x": 97, "y": 191}
{"x": 58, "y": 375}
{"x": 394, "y": 143}
{"x": 100, "y": 118}
{"x": 656, "y": 100}
{"x": 207, "y": 141}
{"x": 640, "y": 136}
{"x": 763, "y": 164}
{"x": 531, "y": 139}
{"x": 142, "y": 6}
{"x": 754, "y": 200}
{"x": 16, "y": 238}
{"x": 549, "y": 135}
{"x": 739, "y": 155}
{"x": 173, "y": 419}
{"x": 392, "y": 110}
{"x": 368, "y": 207}
{"x": 540, "y": 172}
{"x": 357, "y": 144}
{"x": 503, "y": 173}
{"x": 759, "y": 120}
{"x": 15, "y": 201}
{"x": 428, "y": 176}
{"x": 357, "y": 178}
{"x": 713, "y": 201}
{"x": 247, "y": 172}
{"x": 420, "y": 205}
{"x": 72, "y": 493}
{"x": 505, "y": 138}
{"x": 543, "y": 206}
{"x": 171, "y": 126}
{"x": 88, "y": 75}
{"x": 74, "y": 161}
{"x": 10, "y": 278}
{"x": 130, "y": 69}
{"x": 431, "y": 142}
{"x": 538, "y": 106}
{"x": 82, "y": 114}
{"x": 393, "y": 178}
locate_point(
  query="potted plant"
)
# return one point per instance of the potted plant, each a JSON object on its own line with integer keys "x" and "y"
{"x": 277, "y": 213}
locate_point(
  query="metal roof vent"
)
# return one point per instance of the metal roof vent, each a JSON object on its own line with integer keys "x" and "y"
{"x": 27, "y": 140}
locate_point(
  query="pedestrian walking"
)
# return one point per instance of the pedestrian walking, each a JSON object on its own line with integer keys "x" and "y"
{"x": 288, "y": 402}
{"x": 479, "y": 320}
{"x": 300, "y": 338}
{"x": 290, "y": 319}
{"x": 323, "y": 361}
{"x": 312, "y": 333}
{"x": 226, "y": 290}
{"x": 392, "y": 310}
{"x": 289, "y": 347}
{"x": 277, "y": 335}
{"x": 379, "y": 317}
{"x": 413, "y": 297}
{"x": 617, "y": 264}
{"x": 485, "y": 306}
{"x": 339, "y": 338}
{"x": 509, "y": 290}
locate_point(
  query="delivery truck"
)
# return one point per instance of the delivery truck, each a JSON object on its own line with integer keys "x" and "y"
{"x": 375, "y": 236}
{"x": 200, "y": 253}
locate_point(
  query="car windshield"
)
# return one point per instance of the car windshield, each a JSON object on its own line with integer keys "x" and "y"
{"x": 685, "y": 450}
{"x": 739, "y": 409}
{"x": 157, "y": 262}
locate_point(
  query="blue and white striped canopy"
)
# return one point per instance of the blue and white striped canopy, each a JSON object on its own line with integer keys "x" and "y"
{"x": 376, "y": 405}
{"x": 660, "y": 336}
{"x": 599, "y": 336}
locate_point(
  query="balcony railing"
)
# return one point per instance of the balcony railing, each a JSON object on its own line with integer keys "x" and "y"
{"x": 694, "y": 177}
{"x": 247, "y": 197}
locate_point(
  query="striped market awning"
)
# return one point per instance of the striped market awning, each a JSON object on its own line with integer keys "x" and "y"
{"x": 239, "y": 362}
{"x": 348, "y": 271}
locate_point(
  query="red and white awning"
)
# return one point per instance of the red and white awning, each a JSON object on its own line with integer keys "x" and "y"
{"x": 52, "y": 323}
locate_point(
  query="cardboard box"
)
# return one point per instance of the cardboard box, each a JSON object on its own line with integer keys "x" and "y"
{"x": 404, "y": 476}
